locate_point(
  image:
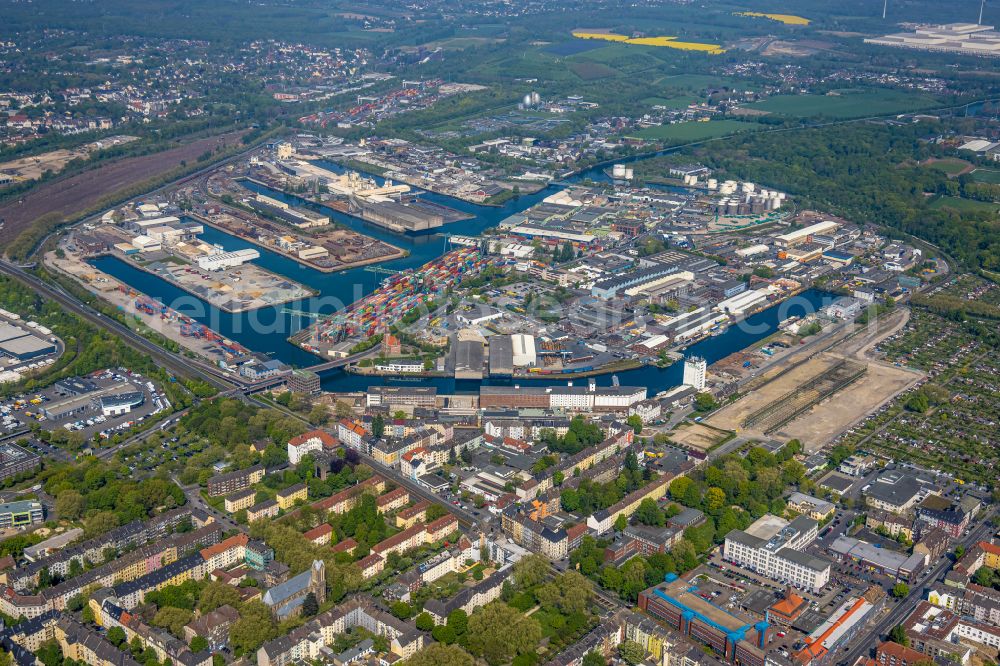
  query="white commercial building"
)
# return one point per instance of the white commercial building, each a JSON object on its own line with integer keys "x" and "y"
{"x": 695, "y": 371}
{"x": 751, "y": 250}
{"x": 524, "y": 350}
{"x": 793, "y": 238}
{"x": 741, "y": 303}
{"x": 217, "y": 262}
{"x": 773, "y": 547}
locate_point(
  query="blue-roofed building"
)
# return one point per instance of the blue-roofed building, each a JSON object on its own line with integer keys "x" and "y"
{"x": 734, "y": 638}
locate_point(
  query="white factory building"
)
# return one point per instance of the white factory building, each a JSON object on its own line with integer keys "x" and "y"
{"x": 773, "y": 547}
{"x": 793, "y": 238}
{"x": 524, "y": 351}
{"x": 741, "y": 303}
{"x": 967, "y": 38}
{"x": 222, "y": 260}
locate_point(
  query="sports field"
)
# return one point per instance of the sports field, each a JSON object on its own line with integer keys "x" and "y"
{"x": 695, "y": 131}
{"x": 847, "y": 105}
{"x": 986, "y": 176}
{"x": 965, "y": 205}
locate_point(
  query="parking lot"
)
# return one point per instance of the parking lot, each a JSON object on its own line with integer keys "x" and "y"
{"x": 90, "y": 408}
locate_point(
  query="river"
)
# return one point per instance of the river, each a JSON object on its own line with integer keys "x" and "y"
{"x": 267, "y": 330}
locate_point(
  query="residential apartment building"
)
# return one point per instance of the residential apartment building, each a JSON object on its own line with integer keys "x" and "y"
{"x": 231, "y": 482}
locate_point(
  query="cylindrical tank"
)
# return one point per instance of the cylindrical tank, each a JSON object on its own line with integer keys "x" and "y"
{"x": 618, "y": 171}
{"x": 713, "y": 183}
{"x": 628, "y": 174}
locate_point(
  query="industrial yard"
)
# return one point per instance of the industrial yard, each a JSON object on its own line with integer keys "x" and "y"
{"x": 814, "y": 396}
{"x": 171, "y": 324}
{"x": 169, "y": 248}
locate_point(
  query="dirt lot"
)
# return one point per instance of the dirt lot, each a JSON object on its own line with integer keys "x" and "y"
{"x": 697, "y": 436}
{"x": 32, "y": 168}
{"x": 79, "y": 192}
{"x": 731, "y": 416}
{"x": 843, "y": 409}
{"x": 832, "y": 416}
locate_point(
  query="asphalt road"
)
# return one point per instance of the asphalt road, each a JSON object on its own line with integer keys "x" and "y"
{"x": 903, "y": 608}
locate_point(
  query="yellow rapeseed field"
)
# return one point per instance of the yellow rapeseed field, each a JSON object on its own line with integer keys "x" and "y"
{"x": 668, "y": 42}
{"x": 787, "y": 19}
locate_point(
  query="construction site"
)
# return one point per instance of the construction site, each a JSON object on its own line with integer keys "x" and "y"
{"x": 815, "y": 394}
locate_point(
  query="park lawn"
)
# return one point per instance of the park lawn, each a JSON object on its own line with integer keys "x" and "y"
{"x": 986, "y": 176}
{"x": 852, "y": 105}
{"x": 964, "y": 205}
{"x": 695, "y": 131}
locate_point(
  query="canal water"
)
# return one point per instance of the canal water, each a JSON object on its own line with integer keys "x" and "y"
{"x": 267, "y": 330}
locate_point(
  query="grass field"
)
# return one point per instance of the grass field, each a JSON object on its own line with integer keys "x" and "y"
{"x": 695, "y": 131}
{"x": 673, "y": 103}
{"x": 986, "y": 176}
{"x": 853, "y": 105}
{"x": 951, "y": 166}
{"x": 460, "y": 43}
{"x": 965, "y": 205}
{"x": 589, "y": 71}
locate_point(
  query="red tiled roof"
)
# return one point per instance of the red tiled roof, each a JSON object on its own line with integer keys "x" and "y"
{"x": 320, "y": 530}
{"x": 325, "y": 438}
{"x": 347, "y": 544}
{"x": 233, "y": 541}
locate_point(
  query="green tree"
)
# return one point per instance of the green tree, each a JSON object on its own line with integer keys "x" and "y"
{"x": 900, "y": 590}
{"x": 715, "y": 499}
{"x": 635, "y": 422}
{"x": 621, "y": 522}
{"x": 631, "y": 652}
{"x": 497, "y": 633}
{"x": 458, "y": 620}
{"x": 378, "y": 426}
{"x": 173, "y": 619}
{"x": 69, "y": 505}
{"x": 649, "y": 513}
{"x": 116, "y": 636}
{"x": 217, "y": 594}
{"x": 531, "y": 570}
{"x": 253, "y": 629}
{"x": 424, "y": 621}
{"x": 310, "y": 605}
{"x": 198, "y": 644}
{"x": 401, "y": 609}
{"x": 438, "y": 654}
{"x": 898, "y": 635}
{"x": 594, "y": 659}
